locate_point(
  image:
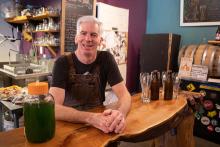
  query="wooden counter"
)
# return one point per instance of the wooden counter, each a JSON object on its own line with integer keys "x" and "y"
{"x": 145, "y": 121}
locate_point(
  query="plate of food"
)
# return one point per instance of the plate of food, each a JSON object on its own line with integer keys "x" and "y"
{"x": 13, "y": 93}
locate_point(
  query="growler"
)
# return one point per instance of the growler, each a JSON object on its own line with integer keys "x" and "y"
{"x": 155, "y": 85}
{"x": 168, "y": 86}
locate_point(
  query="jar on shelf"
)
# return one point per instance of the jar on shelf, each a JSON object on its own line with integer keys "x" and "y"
{"x": 39, "y": 114}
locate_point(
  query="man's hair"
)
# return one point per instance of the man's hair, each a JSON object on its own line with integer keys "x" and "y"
{"x": 88, "y": 18}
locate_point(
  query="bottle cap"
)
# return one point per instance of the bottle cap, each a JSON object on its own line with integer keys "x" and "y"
{"x": 38, "y": 88}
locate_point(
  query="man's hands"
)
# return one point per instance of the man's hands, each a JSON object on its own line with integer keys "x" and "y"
{"x": 115, "y": 121}
{"x": 108, "y": 121}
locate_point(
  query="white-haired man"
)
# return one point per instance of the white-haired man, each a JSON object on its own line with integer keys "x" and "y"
{"x": 79, "y": 81}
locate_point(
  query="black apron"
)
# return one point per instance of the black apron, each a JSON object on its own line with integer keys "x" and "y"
{"x": 83, "y": 90}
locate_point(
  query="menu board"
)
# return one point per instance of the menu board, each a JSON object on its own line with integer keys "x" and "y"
{"x": 71, "y": 11}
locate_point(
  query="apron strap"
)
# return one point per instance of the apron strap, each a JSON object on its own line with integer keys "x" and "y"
{"x": 71, "y": 64}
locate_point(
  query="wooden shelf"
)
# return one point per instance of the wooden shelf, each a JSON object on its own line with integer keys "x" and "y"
{"x": 46, "y": 45}
{"x": 215, "y": 42}
{"x": 17, "y": 19}
{"x": 46, "y": 15}
{"x": 23, "y": 19}
{"x": 47, "y": 31}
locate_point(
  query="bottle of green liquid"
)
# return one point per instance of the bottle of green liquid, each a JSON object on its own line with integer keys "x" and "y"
{"x": 39, "y": 115}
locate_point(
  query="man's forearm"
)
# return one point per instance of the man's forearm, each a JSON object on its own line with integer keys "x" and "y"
{"x": 98, "y": 120}
{"x": 124, "y": 98}
{"x": 71, "y": 115}
{"x": 124, "y": 104}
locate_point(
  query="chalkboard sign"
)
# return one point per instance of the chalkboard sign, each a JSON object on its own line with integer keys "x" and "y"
{"x": 71, "y": 11}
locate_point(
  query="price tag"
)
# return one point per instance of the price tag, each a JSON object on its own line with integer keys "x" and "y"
{"x": 185, "y": 67}
{"x": 199, "y": 72}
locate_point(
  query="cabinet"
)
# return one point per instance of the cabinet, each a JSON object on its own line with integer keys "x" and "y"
{"x": 42, "y": 29}
{"x": 159, "y": 51}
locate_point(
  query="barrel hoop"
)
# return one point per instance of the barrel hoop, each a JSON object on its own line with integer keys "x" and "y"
{"x": 190, "y": 51}
{"x": 181, "y": 53}
{"x": 212, "y": 58}
{"x": 199, "y": 53}
{"x": 193, "y": 52}
{"x": 204, "y": 56}
{"x": 218, "y": 68}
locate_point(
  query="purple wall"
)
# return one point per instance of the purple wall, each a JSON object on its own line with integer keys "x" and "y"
{"x": 137, "y": 28}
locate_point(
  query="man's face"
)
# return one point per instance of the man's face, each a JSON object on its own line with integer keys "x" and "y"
{"x": 88, "y": 39}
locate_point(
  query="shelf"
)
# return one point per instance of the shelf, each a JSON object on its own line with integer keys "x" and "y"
{"x": 46, "y": 15}
{"x": 28, "y": 35}
{"x": 215, "y": 42}
{"x": 23, "y": 19}
{"x": 47, "y": 31}
{"x": 46, "y": 45}
{"x": 17, "y": 19}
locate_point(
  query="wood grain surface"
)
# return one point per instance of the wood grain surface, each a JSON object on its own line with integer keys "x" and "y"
{"x": 144, "y": 121}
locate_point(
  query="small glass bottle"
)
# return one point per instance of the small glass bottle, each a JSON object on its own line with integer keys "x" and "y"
{"x": 155, "y": 85}
{"x": 168, "y": 86}
{"x": 18, "y": 8}
{"x": 39, "y": 115}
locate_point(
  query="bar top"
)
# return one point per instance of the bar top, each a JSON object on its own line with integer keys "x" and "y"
{"x": 144, "y": 121}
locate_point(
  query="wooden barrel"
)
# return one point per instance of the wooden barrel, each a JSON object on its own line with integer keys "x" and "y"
{"x": 203, "y": 54}
{"x": 187, "y": 51}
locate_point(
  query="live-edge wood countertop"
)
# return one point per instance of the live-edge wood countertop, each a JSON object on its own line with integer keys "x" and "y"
{"x": 144, "y": 121}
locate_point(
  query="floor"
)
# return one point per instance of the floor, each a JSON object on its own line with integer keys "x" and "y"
{"x": 199, "y": 143}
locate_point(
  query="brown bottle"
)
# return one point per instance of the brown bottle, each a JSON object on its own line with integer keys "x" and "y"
{"x": 155, "y": 85}
{"x": 168, "y": 86}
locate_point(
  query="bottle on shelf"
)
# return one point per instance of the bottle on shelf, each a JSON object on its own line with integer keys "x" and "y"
{"x": 217, "y": 36}
{"x": 44, "y": 63}
{"x": 18, "y": 8}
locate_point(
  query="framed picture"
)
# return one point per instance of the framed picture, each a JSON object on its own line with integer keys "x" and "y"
{"x": 116, "y": 43}
{"x": 199, "y": 12}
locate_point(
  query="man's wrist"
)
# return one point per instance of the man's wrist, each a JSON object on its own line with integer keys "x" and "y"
{"x": 89, "y": 117}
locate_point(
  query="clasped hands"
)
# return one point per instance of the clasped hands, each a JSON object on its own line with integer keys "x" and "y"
{"x": 109, "y": 121}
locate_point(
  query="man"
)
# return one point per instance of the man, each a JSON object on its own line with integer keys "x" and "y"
{"x": 79, "y": 81}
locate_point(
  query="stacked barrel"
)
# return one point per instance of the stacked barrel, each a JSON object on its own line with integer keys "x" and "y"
{"x": 203, "y": 54}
